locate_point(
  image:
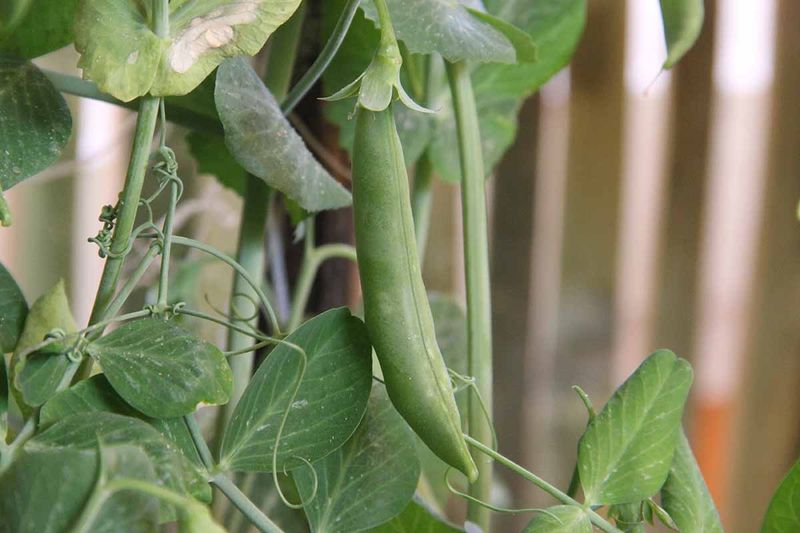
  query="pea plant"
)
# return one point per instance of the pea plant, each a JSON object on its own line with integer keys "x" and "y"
{"x": 134, "y": 422}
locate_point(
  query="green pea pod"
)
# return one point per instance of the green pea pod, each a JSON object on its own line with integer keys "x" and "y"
{"x": 396, "y": 308}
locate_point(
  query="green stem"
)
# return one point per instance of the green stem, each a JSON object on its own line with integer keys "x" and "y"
{"x": 553, "y": 491}
{"x": 422, "y": 202}
{"x": 243, "y": 503}
{"x": 126, "y": 213}
{"x": 163, "y": 279}
{"x": 133, "y": 280}
{"x": 324, "y": 58}
{"x": 476, "y": 267}
{"x": 199, "y": 442}
{"x": 284, "y": 42}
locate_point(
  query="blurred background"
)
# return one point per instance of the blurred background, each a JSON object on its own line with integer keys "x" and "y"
{"x": 636, "y": 211}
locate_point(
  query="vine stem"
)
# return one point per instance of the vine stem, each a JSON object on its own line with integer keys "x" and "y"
{"x": 199, "y": 442}
{"x": 598, "y": 521}
{"x": 243, "y": 503}
{"x": 476, "y": 266}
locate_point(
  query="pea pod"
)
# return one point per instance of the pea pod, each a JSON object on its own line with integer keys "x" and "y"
{"x": 396, "y": 308}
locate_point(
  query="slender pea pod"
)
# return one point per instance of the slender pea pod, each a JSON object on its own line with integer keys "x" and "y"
{"x": 397, "y": 312}
{"x": 683, "y": 20}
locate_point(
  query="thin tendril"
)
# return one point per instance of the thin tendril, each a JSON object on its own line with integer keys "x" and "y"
{"x": 315, "y": 484}
{"x": 469, "y": 383}
{"x": 495, "y": 508}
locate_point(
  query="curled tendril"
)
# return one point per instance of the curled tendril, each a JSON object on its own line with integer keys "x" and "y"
{"x": 108, "y": 216}
{"x": 234, "y": 314}
{"x": 237, "y": 315}
{"x": 303, "y": 363}
{"x": 315, "y": 485}
{"x": 468, "y": 382}
{"x": 495, "y": 508}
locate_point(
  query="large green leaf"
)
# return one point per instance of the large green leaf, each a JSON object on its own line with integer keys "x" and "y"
{"x": 266, "y": 145}
{"x": 447, "y": 28}
{"x": 79, "y": 431}
{"x": 556, "y": 26}
{"x": 34, "y": 377}
{"x": 783, "y": 513}
{"x": 34, "y": 121}
{"x": 13, "y": 310}
{"x": 44, "y": 491}
{"x": 626, "y": 451}
{"x": 351, "y": 60}
{"x": 416, "y": 518}
{"x": 47, "y": 27}
{"x": 161, "y": 369}
{"x": 683, "y": 20}
{"x": 560, "y": 519}
{"x": 327, "y": 408}
{"x": 3, "y": 398}
{"x": 685, "y": 495}
{"x": 367, "y": 481}
{"x": 120, "y": 52}
{"x": 95, "y": 395}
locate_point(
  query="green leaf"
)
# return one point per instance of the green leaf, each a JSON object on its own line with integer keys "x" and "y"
{"x": 35, "y": 123}
{"x": 36, "y": 384}
{"x": 369, "y": 480}
{"x": 172, "y": 468}
{"x": 327, "y": 408}
{"x": 685, "y": 495}
{"x": 266, "y": 145}
{"x": 524, "y": 46}
{"x": 119, "y": 508}
{"x": 783, "y": 513}
{"x": 416, "y": 518}
{"x": 47, "y": 27}
{"x": 44, "y": 491}
{"x": 13, "y": 310}
{"x": 95, "y": 395}
{"x": 556, "y": 27}
{"x": 626, "y": 451}
{"x": 161, "y": 369}
{"x": 560, "y": 519}
{"x": 447, "y": 28}
{"x": 683, "y": 20}
{"x": 198, "y": 519}
{"x": 120, "y": 52}
{"x": 214, "y": 158}
{"x": 3, "y": 398}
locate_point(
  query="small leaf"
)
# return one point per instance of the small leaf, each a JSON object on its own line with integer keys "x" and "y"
{"x": 172, "y": 468}
{"x": 560, "y": 519}
{"x": 265, "y": 144}
{"x": 51, "y": 311}
{"x": 416, "y": 518}
{"x": 35, "y": 122}
{"x": 683, "y": 20}
{"x": 783, "y": 513}
{"x": 331, "y": 398}
{"x": 95, "y": 395}
{"x": 626, "y": 451}
{"x": 685, "y": 495}
{"x": 161, "y": 369}
{"x": 44, "y": 491}
{"x": 13, "y": 310}
{"x": 367, "y": 481}
{"x": 120, "y": 52}
{"x": 447, "y": 28}
{"x": 47, "y": 27}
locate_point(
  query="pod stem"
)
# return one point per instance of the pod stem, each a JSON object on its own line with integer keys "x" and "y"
{"x": 476, "y": 266}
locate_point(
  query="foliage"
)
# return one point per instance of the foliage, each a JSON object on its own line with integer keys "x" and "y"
{"x": 310, "y": 428}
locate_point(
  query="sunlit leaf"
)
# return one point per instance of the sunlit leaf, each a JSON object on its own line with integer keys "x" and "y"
{"x": 13, "y": 310}
{"x": 683, "y": 20}
{"x": 447, "y": 28}
{"x": 35, "y": 122}
{"x": 416, "y": 518}
{"x": 626, "y": 451}
{"x": 685, "y": 495}
{"x": 783, "y": 513}
{"x": 560, "y": 519}
{"x": 122, "y": 54}
{"x": 327, "y": 408}
{"x": 265, "y": 144}
{"x": 367, "y": 481}
{"x": 161, "y": 369}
